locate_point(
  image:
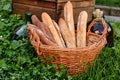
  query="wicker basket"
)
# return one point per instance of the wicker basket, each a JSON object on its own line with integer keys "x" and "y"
{"x": 77, "y": 60}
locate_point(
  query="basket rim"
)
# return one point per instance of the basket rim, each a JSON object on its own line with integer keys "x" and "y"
{"x": 58, "y": 48}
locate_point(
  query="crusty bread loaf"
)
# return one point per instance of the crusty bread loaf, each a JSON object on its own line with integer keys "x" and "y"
{"x": 67, "y": 36}
{"x": 59, "y": 32}
{"x": 42, "y": 36}
{"x": 81, "y": 29}
{"x": 36, "y": 22}
{"x": 68, "y": 16}
{"x": 48, "y": 21}
{"x": 42, "y": 27}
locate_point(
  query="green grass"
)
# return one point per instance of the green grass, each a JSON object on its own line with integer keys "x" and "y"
{"x": 18, "y": 59}
{"x": 107, "y": 65}
{"x": 115, "y": 3}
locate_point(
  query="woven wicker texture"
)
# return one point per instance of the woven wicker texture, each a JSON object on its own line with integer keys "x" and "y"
{"x": 77, "y": 60}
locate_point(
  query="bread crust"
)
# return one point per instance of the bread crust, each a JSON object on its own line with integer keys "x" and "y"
{"x": 48, "y": 21}
{"x": 67, "y": 36}
{"x": 81, "y": 29}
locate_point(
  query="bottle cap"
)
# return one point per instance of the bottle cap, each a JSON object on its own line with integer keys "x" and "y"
{"x": 98, "y": 13}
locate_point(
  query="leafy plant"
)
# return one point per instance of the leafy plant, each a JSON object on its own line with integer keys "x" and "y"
{"x": 5, "y": 7}
{"x": 19, "y": 61}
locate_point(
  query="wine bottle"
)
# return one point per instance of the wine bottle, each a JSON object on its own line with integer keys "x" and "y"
{"x": 98, "y": 27}
{"x": 21, "y": 32}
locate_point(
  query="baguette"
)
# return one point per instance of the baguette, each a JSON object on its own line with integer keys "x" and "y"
{"x": 59, "y": 32}
{"x": 42, "y": 36}
{"x": 36, "y": 22}
{"x": 42, "y": 27}
{"x": 66, "y": 34}
{"x": 68, "y": 16}
{"x": 81, "y": 29}
{"x": 48, "y": 21}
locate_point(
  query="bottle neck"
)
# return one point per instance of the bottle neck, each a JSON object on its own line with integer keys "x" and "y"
{"x": 27, "y": 19}
{"x": 98, "y": 13}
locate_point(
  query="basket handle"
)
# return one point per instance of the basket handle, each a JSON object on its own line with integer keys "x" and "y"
{"x": 34, "y": 39}
{"x": 104, "y": 25}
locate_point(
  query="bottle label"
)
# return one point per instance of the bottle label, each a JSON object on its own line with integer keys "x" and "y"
{"x": 22, "y": 30}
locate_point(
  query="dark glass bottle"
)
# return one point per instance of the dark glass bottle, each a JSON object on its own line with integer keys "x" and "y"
{"x": 21, "y": 32}
{"x": 98, "y": 27}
